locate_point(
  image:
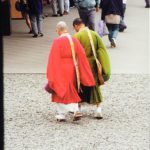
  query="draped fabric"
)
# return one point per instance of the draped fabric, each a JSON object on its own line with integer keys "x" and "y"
{"x": 61, "y": 71}
{"x": 103, "y": 57}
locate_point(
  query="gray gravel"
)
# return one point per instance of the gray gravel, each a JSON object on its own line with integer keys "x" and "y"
{"x": 30, "y": 123}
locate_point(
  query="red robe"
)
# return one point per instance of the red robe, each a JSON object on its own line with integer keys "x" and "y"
{"x": 61, "y": 71}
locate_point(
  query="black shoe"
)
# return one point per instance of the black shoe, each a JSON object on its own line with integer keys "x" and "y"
{"x": 61, "y": 15}
{"x": 35, "y": 36}
{"x": 41, "y": 34}
{"x": 147, "y": 6}
{"x": 122, "y": 29}
{"x": 30, "y": 32}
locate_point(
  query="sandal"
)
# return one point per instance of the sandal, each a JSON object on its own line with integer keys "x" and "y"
{"x": 77, "y": 116}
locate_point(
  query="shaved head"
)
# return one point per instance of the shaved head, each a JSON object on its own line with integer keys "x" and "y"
{"x": 61, "y": 26}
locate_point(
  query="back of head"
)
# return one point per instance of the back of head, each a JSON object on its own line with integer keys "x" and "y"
{"x": 77, "y": 21}
{"x": 61, "y": 26}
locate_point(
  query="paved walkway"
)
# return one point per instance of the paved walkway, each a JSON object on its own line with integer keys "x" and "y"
{"x": 23, "y": 54}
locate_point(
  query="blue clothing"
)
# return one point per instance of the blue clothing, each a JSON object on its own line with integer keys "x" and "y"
{"x": 36, "y": 21}
{"x": 113, "y": 31}
{"x": 35, "y": 7}
{"x": 87, "y": 4}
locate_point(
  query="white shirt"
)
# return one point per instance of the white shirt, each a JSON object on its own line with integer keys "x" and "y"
{"x": 124, "y": 1}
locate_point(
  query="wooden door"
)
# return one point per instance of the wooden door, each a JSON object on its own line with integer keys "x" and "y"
{"x": 14, "y": 13}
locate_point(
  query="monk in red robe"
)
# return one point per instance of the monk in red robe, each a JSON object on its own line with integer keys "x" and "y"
{"x": 61, "y": 72}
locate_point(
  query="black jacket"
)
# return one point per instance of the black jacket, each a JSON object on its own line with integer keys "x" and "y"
{"x": 35, "y": 7}
{"x": 111, "y": 7}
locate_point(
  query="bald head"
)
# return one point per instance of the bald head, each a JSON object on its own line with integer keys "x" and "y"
{"x": 61, "y": 27}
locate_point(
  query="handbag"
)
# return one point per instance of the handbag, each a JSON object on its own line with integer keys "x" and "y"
{"x": 75, "y": 62}
{"x": 98, "y": 64}
{"x": 112, "y": 19}
{"x": 18, "y": 6}
{"x": 102, "y": 28}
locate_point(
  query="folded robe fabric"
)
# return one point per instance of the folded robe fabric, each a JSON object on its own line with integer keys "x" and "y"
{"x": 61, "y": 71}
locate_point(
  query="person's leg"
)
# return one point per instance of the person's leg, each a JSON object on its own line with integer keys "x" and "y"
{"x": 61, "y": 112}
{"x": 91, "y": 19}
{"x": 66, "y": 6}
{"x": 61, "y": 7}
{"x": 74, "y": 107}
{"x": 98, "y": 113}
{"x": 54, "y": 7}
{"x": 147, "y": 3}
{"x": 34, "y": 25}
{"x": 124, "y": 9}
{"x": 39, "y": 24}
{"x": 27, "y": 19}
{"x": 109, "y": 26}
{"x": 28, "y": 22}
{"x": 63, "y": 109}
{"x": 115, "y": 30}
{"x": 122, "y": 25}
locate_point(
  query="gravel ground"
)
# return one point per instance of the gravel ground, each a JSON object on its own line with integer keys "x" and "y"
{"x": 30, "y": 123}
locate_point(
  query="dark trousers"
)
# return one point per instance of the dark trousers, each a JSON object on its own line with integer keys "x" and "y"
{"x": 147, "y": 2}
{"x": 71, "y": 3}
{"x": 88, "y": 17}
{"x": 85, "y": 94}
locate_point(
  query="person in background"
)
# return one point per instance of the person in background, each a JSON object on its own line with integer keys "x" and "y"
{"x": 122, "y": 25}
{"x": 57, "y": 7}
{"x": 66, "y": 7}
{"x": 147, "y": 3}
{"x": 86, "y": 9}
{"x": 61, "y": 74}
{"x": 25, "y": 14}
{"x": 93, "y": 95}
{"x": 35, "y": 12}
{"x": 71, "y": 3}
{"x": 112, "y": 11}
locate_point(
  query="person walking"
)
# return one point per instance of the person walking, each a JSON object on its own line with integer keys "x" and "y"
{"x": 25, "y": 13}
{"x": 57, "y": 7}
{"x": 86, "y": 9}
{"x": 93, "y": 95}
{"x": 112, "y": 11}
{"x": 62, "y": 73}
{"x": 35, "y": 12}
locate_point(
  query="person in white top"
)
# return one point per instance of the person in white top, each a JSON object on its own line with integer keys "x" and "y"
{"x": 124, "y": 1}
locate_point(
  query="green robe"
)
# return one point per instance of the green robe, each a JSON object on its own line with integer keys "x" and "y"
{"x": 102, "y": 55}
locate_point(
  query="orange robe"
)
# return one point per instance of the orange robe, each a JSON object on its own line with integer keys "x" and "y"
{"x": 61, "y": 71}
